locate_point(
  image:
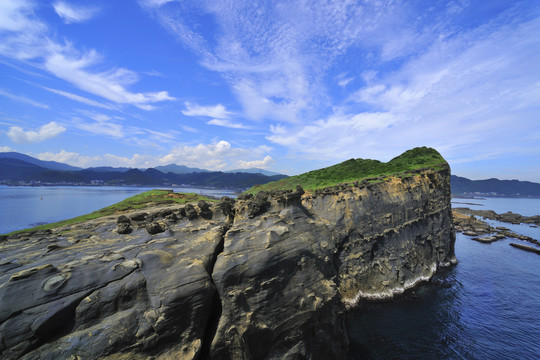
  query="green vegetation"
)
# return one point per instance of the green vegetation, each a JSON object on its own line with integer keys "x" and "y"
{"x": 140, "y": 201}
{"x": 358, "y": 169}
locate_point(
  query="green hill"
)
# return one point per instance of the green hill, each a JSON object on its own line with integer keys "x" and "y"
{"x": 358, "y": 169}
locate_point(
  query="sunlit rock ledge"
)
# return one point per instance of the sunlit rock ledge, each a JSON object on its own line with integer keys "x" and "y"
{"x": 268, "y": 276}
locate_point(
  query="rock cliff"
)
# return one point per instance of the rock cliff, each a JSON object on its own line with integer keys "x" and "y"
{"x": 266, "y": 276}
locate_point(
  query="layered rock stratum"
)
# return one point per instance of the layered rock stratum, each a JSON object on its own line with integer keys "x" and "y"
{"x": 268, "y": 276}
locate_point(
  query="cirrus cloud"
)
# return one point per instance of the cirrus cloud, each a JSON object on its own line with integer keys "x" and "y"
{"x": 71, "y": 13}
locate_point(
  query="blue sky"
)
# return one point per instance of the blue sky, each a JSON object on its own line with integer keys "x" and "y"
{"x": 288, "y": 86}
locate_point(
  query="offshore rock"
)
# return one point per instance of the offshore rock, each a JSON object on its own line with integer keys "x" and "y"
{"x": 266, "y": 277}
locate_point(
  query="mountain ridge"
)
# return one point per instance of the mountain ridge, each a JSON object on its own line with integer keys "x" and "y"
{"x": 493, "y": 187}
{"x": 14, "y": 171}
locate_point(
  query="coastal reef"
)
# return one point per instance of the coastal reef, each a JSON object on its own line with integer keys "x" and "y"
{"x": 266, "y": 276}
{"x": 470, "y": 223}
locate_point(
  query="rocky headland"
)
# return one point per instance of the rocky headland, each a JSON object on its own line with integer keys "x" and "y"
{"x": 268, "y": 276}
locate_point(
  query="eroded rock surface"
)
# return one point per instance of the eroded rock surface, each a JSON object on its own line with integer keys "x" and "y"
{"x": 267, "y": 277}
{"x": 103, "y": 291}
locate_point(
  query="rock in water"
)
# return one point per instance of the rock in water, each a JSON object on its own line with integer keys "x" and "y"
{"x": 269, "y": 276}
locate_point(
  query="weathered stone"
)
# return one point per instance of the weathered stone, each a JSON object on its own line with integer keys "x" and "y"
{"x": 124, "y": 228}
{"x": 138, "y": 216}
{"x": 268, "y": 276}
{"x": 122, "y": 219}
{"x": 190, "y": 212}
{"x": 204, "y": 209}
{"x": 156, "y": 227}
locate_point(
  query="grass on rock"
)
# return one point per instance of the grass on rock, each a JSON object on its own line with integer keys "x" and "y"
{"x": 358, "y": 169}
{"x": 137, "y": 202}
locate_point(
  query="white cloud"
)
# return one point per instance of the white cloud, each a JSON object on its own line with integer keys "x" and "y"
{"x": 68, "y": 64}
{"x": 62, "y": 156}
{"x": 189, "y": 129}
{"x": 71, "y": 13}
{"x": 345, "y": 81}
{"x": 217, "y": 111}
{"x": 25, "y": 37}
{"x": 6, "y": 149}
{"x": 80, "y": 99}
{"x": 154, "y": 3}
{"x": 261, "y": 164}
{"x": 217, "y": 156}
{"x": 466, "y": 94}
{"x": 226, "y": 123}
{"x": 47, "y": 131}
{"x": 15, "y": 16}
{"x": 23, "y": 99}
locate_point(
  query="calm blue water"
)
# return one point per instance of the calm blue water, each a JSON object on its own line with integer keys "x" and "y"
{"x": 487, "y": 307}
{"x": 22, "y": 207}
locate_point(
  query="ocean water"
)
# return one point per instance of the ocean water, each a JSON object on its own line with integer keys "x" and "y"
{"x": 22, "y": 207}
{"x": 486, "y": 307}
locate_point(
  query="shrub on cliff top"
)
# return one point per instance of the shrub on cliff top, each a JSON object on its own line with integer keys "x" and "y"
{"x": 358, "y": 169}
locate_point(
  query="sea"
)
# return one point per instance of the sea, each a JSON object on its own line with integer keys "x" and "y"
{"x": 486, "y": 307}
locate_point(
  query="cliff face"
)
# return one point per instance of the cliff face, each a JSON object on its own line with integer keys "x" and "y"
{"x": 266, "y": 277}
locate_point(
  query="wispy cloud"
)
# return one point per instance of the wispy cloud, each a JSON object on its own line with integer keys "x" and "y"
{"x": 80, "y": 99}
{"x": 275, "y": 55}
{"x": 47, "y": 131}
{"x": 216, "y": 111}
{"x": 23, "y": 99}
{"x": 227, "y": 124}
{"x": 25, "y": 37}
{"x": 71, "y": 13}
{"x": 66, "y": 63}
{"x": 466, "y": 94}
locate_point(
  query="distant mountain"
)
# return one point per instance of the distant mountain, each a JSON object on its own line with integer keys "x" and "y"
{"x": 52, "y": 165}
{"x": 178, "y": 169}
{"x": 494, "y": 187}
{"x": 254, "y": 171}
{"x": 16, "y": 171}
{"x": 109, "y": 169}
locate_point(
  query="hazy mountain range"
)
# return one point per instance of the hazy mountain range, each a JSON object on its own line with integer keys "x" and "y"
{"x": 494, "y": 187}
{"x": 17, "y": 168}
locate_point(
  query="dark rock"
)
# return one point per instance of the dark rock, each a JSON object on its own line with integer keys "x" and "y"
{"x": 526, "y": 248}
{"x": 139, "y": 216}
{"x": 204, "y": 209}
{"x": 244, "y": 196}
{"x": 485, "y": 239}
{"x": 124, "y": 228}
{"x": 156, "y": 227}
{"x": 258, "y": 204}
{"x": 122, "y": 219}
{"x": 190, "y": 212}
